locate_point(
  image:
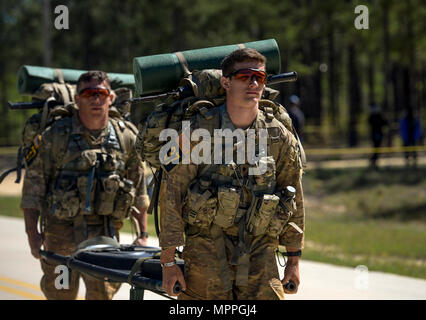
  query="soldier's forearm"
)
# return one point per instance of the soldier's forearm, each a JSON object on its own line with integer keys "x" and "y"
{"x": 31, "y": 220}
{"x": 141, "y": 218}
{"x": 167, "y": 254}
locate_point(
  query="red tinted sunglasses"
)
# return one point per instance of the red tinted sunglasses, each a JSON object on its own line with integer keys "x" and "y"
{"x": 93, "y": 92}
{"x": 250, "y": 73}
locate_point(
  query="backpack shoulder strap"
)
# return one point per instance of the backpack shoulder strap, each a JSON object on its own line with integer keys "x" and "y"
{"x": 61, "y": 132}
{"x": 278, "y": 112}
{"x": 126, "y": 133}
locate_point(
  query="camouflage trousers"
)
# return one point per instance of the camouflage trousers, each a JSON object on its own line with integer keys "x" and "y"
{"x": 60, "y": 239}
{"x": 202, "y": 272}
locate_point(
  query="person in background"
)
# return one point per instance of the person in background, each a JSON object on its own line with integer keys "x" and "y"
{"x": 377, "y": 122}
{"x": 296, "y": 115}
{"x": 410, "y": 129}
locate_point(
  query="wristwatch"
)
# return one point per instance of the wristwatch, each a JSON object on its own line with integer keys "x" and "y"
{"x": 168, "y": 264}
{"x": 292, "y": 254}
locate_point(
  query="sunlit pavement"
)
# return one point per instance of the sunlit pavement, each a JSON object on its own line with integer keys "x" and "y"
{"x": 20, "y": 274}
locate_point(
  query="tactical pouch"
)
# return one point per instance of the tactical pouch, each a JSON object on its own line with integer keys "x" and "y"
{"x": 200, "y": 207}
{"x": 124, "y": 199}
{"x": 64, "y": 204}
{"x": 149, "y": 134}
{"x": 279, "y": 220}
{"x": 285, "y": 209}
{"x": 265, "y": 172}
{"x": 105, "y": 198}
{"x": 82, "y": 191}
{"x": 86, "y": 161}
{"x": 109, "y": 162}
{"x": 228, "y": 203}
{"x": 261, "y": 217}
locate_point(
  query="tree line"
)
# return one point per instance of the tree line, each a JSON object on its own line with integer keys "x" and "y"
{"x": 341, "y": 69}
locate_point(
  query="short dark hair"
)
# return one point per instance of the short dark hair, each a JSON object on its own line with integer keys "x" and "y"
{"x": 240, "y": 55}
{"x": 92, "y": 75}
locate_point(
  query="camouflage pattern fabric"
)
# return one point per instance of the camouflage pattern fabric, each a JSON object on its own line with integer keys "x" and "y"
{"x": 61, "y": 92}
{"x": 202, "y": 273}
{"x": 44, "y": 169}
{"x": 60, "y": 239}
{"x": 208, "y": 83}
{"x": 122, "y": 103}
{"x": 209, "y": 93}
{"x": 39, "y": 184}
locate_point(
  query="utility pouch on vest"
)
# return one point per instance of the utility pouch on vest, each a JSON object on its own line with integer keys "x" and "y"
{"x": 108, "y": 188}
{"x": 200, "y": 207}
{"x": 265, "y": 172}
{"x": 124, "y": 199}
{"x": 64, "y": 203}
{"x": 109, "y": 163}
{"x": 285, "y": 209}
{"x": 82, "y": 183}
{"x": 228, "y": 202}
{"x": 278, "y": 221}
{"x": 261, "y": 217}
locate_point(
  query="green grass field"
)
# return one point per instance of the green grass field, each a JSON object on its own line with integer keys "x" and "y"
{"x": 354, "y": 217}
{"x": 363, "y": 216}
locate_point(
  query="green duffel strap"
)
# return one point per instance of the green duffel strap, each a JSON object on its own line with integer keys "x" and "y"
{"x": 136, "y": 268}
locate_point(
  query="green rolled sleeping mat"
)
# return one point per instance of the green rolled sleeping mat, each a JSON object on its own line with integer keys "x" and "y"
{"x": 31, "y": 77}
{"x": 162, "y": 72}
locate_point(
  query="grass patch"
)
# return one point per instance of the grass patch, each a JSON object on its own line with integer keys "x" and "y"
{"x": 127, "y": 226}
{"x": 362, "y": 216}
{"x": 9, "y": 206}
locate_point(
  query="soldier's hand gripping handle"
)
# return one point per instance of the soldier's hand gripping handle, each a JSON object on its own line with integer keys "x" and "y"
{"x": 290, "y": 286}
{"x": 171, "y": 272}
{"x": 291, "y": 279}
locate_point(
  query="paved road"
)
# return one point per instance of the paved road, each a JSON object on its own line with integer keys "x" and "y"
{"x": 20, "y": 274}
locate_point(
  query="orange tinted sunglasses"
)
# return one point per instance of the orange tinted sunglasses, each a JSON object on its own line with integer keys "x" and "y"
{"x": 250, "y": 73}
{"x": 93, "y": 92}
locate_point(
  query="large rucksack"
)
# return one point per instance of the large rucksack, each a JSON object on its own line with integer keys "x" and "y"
{"x": 208, "y": 93}
{"x": 58, "y": 103}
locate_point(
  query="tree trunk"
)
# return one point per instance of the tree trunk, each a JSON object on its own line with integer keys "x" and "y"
{"x": 88, "y": 29}
{"x": 332, "y": 81}
{"x": 313, "y": 84}
{"x": 371, "y": 91}
{"x": 386, "y": 48}
{"x": 354, "y": 96}
{"x": 178, "y": 21}
{"x": 412, "y": 58}
{"x": 47, "y": 25}
{"x": 4, "y": 110}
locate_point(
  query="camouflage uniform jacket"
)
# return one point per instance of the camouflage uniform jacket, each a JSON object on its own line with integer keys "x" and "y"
{"x": 288, "y": 173}
{"x": 41, "y": 174}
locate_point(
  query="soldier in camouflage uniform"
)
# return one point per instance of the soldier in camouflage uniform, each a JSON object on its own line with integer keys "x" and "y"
{"x": 233, "y": 221}
{"x": 84, "y": 181}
